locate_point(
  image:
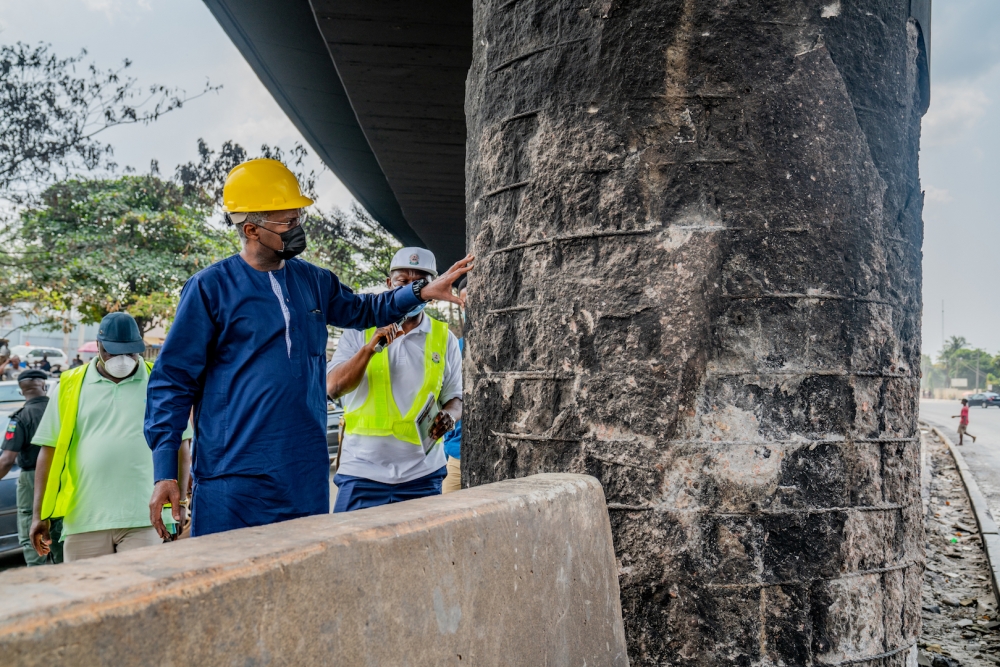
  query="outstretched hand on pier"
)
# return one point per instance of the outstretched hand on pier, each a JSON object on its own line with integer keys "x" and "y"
{"x": 440, "y": 288}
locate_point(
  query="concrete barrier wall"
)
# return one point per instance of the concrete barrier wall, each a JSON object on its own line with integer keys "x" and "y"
{"x": 521, "y": 572}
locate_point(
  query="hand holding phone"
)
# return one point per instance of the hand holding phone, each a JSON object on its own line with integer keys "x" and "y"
{"x": 385, "y": 335}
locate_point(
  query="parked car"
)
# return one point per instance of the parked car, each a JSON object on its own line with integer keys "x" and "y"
{"x": 985, "y": 399}
{"x": 334, "y": 412}
{"x": 975, "y": 399}
{"x": 32, "y": 355}
{"x": 10, "y": 400}
{"x": 8, "y": 510}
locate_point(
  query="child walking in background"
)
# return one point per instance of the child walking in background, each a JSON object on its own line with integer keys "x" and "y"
{"x": 963, "y": 422}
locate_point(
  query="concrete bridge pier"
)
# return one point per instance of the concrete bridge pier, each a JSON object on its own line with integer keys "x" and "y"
{"x": 698, "y": 226}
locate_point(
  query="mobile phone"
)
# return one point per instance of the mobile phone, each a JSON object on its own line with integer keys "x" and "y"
{"x": 382, "y": 344}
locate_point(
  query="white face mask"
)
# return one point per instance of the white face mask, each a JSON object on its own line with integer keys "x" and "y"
{"x": 120, "y": 366}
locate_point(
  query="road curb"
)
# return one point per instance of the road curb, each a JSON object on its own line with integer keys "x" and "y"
{"x": 984, "y": 519}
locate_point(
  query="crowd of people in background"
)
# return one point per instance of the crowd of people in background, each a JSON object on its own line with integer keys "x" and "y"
{"x": 11, "y": 365}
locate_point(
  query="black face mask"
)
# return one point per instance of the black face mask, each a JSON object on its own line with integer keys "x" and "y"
{"x": 293, "y": 241}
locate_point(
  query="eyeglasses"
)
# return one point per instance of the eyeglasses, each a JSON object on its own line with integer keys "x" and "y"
{"x": 300, "y": 219}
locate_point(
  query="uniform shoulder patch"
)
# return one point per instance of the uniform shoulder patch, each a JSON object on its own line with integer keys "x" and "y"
{"x": 11, "y": 428}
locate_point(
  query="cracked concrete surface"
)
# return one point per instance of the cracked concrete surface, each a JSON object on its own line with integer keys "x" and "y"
{"x": 699, "y": 233}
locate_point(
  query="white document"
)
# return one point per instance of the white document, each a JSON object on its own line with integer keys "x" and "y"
{"x": 424, "y": 421}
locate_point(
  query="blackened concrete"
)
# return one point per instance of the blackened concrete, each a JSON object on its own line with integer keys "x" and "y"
{"x": 699, "y": 233}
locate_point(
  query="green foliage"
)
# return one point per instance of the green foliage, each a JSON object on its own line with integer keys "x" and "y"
{"x": 52, "y": 109}
{"x": 130, "y": 243}
{"x": 352, "y": 245}
{"x": 957, "y": 360}
{"x": 99, "y": 246}
{"x": 954, "y": 344}
{"x": 932, "y": 376}
{"x": 208, "y": 174}
{"x": 450, "y": 314}
{"x": 349, "y": 243}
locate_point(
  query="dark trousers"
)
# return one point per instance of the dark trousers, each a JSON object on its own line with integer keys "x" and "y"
{"x": 356, "y": 493}
{"x": 25, "y": 499}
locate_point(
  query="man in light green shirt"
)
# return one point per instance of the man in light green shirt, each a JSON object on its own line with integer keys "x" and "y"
{"x": 110, "y": 465}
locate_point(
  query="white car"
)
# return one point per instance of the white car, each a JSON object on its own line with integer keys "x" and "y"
{"x": 32, "y": 354}
{"x": 11, "y": 398}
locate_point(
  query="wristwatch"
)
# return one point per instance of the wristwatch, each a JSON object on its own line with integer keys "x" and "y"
{"x": 417, "y": 286}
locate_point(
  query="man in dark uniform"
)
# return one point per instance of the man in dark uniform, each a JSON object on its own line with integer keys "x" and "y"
{"x": 17, "y": 448}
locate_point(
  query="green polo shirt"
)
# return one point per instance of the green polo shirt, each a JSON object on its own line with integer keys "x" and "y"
{"x": 111, "y": 464}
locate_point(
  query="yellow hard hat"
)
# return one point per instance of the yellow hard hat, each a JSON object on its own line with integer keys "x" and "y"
{"x": 262, "y": 185}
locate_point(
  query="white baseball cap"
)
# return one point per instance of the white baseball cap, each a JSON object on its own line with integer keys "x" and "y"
{"x": 420, "y": 259}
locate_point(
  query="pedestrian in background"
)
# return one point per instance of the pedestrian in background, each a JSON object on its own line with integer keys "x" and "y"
{"x": 94, "y": 468}
{"x": 17, "y": 448}
{"x": 383, "y": 459}
{"x": 963, "y": 422}
{"x": 247, "y": 350}
{"x": 11, "y": 369}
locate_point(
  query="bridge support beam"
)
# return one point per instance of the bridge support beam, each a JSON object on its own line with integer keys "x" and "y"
{"x": 698, "y": 226}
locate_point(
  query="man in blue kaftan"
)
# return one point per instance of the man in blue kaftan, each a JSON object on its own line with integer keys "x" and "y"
{"x": 247, "y": 350}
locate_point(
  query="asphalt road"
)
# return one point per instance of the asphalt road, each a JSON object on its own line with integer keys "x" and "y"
{"x": 983, "y": 457}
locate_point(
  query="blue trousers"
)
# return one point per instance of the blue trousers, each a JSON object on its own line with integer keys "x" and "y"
{"x": 357, "y": 493}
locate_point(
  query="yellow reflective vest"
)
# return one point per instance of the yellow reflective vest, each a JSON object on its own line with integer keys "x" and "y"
{"x": 379, "y": 415}
{"x": 59, "y": 486}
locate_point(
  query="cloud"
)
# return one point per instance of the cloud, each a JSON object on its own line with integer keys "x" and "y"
{"x": 115, "y": 8}
{"x": 955, "y": 109}
{"x": 933, "y": 195}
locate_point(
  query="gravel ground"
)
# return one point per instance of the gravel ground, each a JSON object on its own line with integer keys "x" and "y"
{"x": 959, "y": 609}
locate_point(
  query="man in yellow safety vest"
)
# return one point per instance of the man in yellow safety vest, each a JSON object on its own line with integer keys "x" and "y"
{"x": 392, "y": 380}
{"x": 94, "y": 468}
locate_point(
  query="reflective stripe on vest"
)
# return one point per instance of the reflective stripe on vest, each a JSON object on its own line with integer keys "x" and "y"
{"x": 59, "y": 486}
{"x": 379, "y": 414}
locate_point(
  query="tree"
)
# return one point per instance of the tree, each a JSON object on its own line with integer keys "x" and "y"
{"x": 99, "y": 246}
{"x": 957, "y": 360}
{"x": 953, "y": 345}
{"x": 52, "y": 110}
{"x": 130, "y": 243}
{"x": 352, "y": 245}
{"x": 209, "y": 173}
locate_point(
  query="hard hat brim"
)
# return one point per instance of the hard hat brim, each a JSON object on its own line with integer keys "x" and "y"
{"x": 432, "y": 274}
{"x": 300, "y": 202}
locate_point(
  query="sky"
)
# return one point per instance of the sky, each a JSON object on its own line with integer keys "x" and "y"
{"x": 178, "y": 43}
{"x": 960, "y": 175}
